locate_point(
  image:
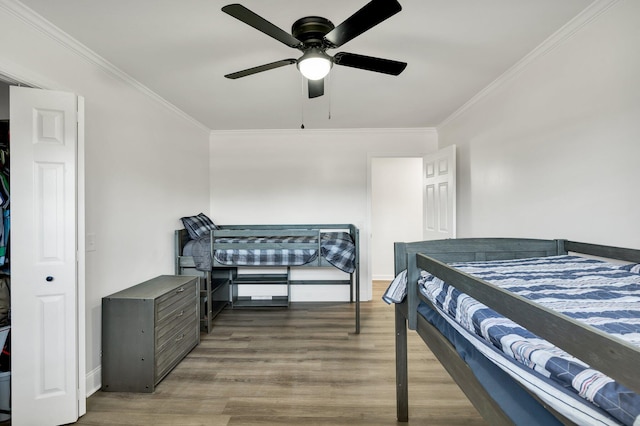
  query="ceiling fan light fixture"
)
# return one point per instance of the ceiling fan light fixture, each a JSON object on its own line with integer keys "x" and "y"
{"x": 314, "y": 64}
{"x": 314, "y": 35}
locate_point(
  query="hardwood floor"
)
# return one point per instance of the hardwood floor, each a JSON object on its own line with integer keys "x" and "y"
{"x": 297, "y": 366}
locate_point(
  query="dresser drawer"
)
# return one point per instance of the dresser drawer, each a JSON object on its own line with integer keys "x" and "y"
{"x": 178, "y": 344}
{"x": 171, "y": 324}
{"x": 176, "y": 310}
{"x": 176, "y": 298}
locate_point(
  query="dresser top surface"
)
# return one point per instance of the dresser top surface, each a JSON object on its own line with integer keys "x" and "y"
{"x": 153, "y": 288}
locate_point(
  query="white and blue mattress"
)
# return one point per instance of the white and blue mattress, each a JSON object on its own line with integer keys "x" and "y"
{"x": 597, "y": 293}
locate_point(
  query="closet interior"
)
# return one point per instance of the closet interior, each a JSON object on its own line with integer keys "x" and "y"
{"x": 5, "y": 256}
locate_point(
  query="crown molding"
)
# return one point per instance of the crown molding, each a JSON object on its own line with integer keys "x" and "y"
{"x": 30, "y": 17}
{"x": 584, "y": 18}
{"x": 422, "y": 130}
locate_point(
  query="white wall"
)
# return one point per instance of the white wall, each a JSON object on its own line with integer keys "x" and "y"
{"x": 396, "y": 209}
{"x": 146, "y": 166}
{"x": 553, "y": 152}
{"x": 304, "y": 176}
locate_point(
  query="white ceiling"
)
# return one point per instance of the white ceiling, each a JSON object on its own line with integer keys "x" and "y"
{"x": 181, "y": 49}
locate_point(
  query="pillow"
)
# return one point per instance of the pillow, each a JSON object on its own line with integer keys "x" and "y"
{"x": 198, "y": 226}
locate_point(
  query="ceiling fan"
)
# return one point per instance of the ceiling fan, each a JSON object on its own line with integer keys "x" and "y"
{"x": 314, "y": 35}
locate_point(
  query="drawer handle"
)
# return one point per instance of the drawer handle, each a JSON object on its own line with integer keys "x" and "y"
{"x": 180, "y": 290}
{"x": 180, "y": 314}
{"x": 180, "y": 337}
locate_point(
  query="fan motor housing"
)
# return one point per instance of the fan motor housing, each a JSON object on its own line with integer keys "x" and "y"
{"x": 311, "y": 30}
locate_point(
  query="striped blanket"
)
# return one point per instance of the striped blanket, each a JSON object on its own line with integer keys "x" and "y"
{"x": 600, "y": 294}
{"x": 336, "y": 247}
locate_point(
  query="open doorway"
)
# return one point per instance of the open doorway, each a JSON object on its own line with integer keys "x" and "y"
{"x": 396, "y": 209}
{"x": 411, "y": 199}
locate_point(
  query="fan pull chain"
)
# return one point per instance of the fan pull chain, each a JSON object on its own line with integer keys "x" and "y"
{"x": 330, "y": 93}
{"x": 302, "y": 102}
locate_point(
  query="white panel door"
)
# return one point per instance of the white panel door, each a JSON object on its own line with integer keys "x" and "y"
{"x": 44, "y": 142}
{"x": 440, "y": 194}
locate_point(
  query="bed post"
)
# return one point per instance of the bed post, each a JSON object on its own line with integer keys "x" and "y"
{"x": 176, "y": 253}
{"x": 412, "y": 291}
{"x": 177, "y": 250}
{"x": 402, "y": 388}
{"x": 356, "y": 238}
{"x": 402, "y": 377}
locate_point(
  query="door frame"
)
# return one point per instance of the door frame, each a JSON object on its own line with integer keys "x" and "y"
{"x": 370, "y": 158}
{"x": 396, "y": 209}
{"x": 369, "y": 220}
{"x": 15, "y": 74}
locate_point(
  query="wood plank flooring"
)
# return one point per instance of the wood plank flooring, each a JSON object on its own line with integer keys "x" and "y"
{"x": 298, "y": 366}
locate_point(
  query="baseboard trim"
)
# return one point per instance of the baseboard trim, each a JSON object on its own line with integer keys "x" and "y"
{"x": 382, "y": 278}
{"x": 94, "y": 381}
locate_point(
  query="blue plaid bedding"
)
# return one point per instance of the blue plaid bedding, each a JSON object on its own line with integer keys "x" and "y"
{"x": 597, "y": 293}
{"x": 336, "y": 247}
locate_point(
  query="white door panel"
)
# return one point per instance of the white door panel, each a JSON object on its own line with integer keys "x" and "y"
{"x": 44, "y": 254}
{"x": 440, "y": 194}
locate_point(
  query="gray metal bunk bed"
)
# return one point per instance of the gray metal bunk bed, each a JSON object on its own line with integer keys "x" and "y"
{"x": 276, "y": 248}
{"x": 496, "y": 395}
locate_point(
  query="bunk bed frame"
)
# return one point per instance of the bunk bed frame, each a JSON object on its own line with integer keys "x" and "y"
{"x": 603, "y": 352}
{"x": 220, "y": 284}
{"x": 214, "y": 284}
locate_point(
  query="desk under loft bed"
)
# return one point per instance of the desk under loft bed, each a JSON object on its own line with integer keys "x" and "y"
{"x": 219, "y": 256}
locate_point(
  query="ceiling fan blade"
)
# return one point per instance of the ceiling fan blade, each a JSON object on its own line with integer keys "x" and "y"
{"x": 260, "y": 68}
{"x": 316, "y": 88}
{"x": 369, "y": 63}
{"x": 259, "y": 23}
{"x": 368, "y": 17}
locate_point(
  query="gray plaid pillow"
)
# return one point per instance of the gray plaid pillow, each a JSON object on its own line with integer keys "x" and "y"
{"x": 198, "y": 226}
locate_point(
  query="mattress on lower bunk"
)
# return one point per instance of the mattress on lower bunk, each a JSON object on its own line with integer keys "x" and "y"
{"x": 601, "y": 294}
{"x": 505, "y": 380}
{"x": 337, "y": 248}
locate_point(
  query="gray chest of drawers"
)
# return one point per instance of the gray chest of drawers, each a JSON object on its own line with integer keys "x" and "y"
{"x": 147, "y": 330}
